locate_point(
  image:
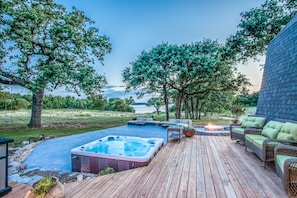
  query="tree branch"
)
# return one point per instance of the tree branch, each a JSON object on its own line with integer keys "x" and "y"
{"x": 11, "y": 79}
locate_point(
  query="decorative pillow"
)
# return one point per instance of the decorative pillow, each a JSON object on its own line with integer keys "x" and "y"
{"x": 271, "y": 129}
{"x": 250, "y": 121}
{"x": 288, "y": 132}
{"x": 285, "y": 136}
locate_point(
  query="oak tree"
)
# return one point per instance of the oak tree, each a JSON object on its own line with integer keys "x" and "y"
{"x": 43, "y": 47}
{"x": 259, "y": 26}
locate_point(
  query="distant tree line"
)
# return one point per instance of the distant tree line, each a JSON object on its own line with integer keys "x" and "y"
{"x": 10, "y": 101}
{"x": 217, "y": 102}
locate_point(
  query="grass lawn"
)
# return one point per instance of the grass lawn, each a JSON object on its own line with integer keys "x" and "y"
{"x": 64, "y": 122}
{"x": 58, "y": 122}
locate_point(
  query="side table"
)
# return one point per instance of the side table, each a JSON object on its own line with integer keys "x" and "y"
{"x": 174, "y": 131}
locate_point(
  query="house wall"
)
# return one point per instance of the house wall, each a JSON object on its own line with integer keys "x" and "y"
{"x": 278, "y": 94}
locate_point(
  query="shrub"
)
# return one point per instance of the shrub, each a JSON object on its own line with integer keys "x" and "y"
{"x": 106, "y": 171}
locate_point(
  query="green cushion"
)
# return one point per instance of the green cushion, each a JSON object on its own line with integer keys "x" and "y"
{"x": 285, "y": 136}
{"x": 280, "y": 160}
{"x": 252, "y": 137}
{"x": 258, "y": 143}
{"x": 271, "y": 129}
{"x": 253, "y": 121}
{"x": 288, "y": 132}
{"x": 238, "y": 130}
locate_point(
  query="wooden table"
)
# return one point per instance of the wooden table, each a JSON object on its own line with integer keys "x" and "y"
{"x": 174, "y": 131}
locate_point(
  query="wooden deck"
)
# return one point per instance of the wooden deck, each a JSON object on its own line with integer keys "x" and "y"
{"x": 18, "y": 190}
{"x": 201, "y": 166}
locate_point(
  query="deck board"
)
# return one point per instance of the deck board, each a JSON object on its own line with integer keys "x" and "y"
{"x": 207, "y": 167}
{"x": 18, "y": 190}
{"x": 201, "y": 166}
{"x": 200, "y": 178}
{"x": 234, "y": 173}
{"x": 152, "y": 184}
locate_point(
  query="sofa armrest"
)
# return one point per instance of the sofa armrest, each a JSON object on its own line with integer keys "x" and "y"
{"x": 277, "y": 141}
{"x": 289, "y": 169}
{"x": 282, "y": 149}
{"x": 289, "y": 177}
{"x": 269, "y": 145}
{"x": 253, "y": 130}
{"x": 233, "y": 126}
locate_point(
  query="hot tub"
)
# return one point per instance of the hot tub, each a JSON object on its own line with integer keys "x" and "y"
{"x": 118, "y": 152}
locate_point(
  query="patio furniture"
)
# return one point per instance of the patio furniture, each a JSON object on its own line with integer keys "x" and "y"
{"x": 141, "y": 121}
{"x": 286, "y": 167}
{"x": 263, "y": 142}
{"x": 249, "y": 122}
{"x": 180, "y": 122}
{"x": 174, "y": 131}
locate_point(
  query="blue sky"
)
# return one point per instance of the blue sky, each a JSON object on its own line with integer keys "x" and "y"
{"x": 137, "y": 25}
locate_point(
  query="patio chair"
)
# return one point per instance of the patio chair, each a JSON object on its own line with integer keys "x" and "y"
{"x": 286, "y": 167}
{"x": 275, "y": 132}
{"x": 254, "y": 122}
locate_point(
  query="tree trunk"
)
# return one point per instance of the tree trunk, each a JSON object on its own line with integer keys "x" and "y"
{"x": 158, "y": 110}
{"x": 192, "y": 108}
{"x": 179, "y": 105}
{"x": 37, "y": 102}
{"x": 186, "y": 108}
{"x": 202, "y": 109}
{"x": 197, "y": 109}
{"x": 166, "y": 102}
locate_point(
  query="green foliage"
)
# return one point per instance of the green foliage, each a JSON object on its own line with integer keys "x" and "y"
{"x": 117, "y": 104}
{"x": 106, "y": 171}
{"x": 247, "y": 99}
{"x": 240, "y": 102}
{"x": 43, "y": 186}
{"x": 10, "y": 101}
{"x": 15, "y": 102}
{"x": 59, "y": 42}
{"x": 98, "y": 102}
{"x": 182, "y": 71}
{"x": 259, "y": 26}
{"x": 237, "y": 110}
{"x": 43, "y": 46}
{"x": 19, "y": 103}
{"x": 215, "y": 102}
{"x": 187, "y": 128}
{"x": 155, "y": 102}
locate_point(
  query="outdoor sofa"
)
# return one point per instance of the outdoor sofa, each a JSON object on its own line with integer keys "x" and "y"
{"x": 150, "y": 121}
{"x": 181, "y": 122}
{"x": 262, "y": 142}
{"x": 249, "y": 122}
{"x": 286, "y": 167}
